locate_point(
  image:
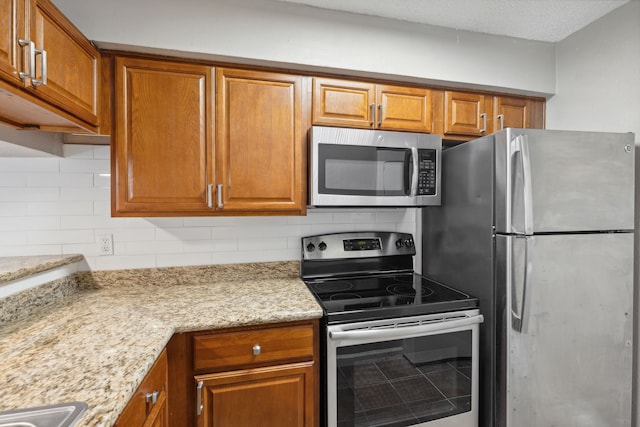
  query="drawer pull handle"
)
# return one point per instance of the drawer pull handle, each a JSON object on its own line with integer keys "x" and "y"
{"x": 152, "y": 397}
{"x": 257, "y": 349}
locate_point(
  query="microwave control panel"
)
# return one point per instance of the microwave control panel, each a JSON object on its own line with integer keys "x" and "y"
{"x": 426, "y": 172}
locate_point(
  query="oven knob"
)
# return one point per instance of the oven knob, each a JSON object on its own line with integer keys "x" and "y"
{"x": 408, "y": 243}
{"x": 322, "y": 246}
{"x": 399, "y": 243}
{"x": 311, "y": 247}
{"x": 404, "y": 242}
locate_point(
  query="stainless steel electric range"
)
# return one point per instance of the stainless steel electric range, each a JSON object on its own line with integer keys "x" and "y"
{"x": 398, "y": 349}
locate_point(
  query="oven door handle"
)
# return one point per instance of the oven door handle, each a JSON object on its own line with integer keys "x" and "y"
{"x": 400, "y": 331}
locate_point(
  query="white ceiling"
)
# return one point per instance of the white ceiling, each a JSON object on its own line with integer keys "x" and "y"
{"x": 543, "y": 20}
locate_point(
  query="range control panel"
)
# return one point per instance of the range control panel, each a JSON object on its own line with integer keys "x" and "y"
{"x": 357, "y": 245}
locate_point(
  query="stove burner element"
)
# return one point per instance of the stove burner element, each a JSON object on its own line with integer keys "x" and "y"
{"x": 336, "y": 286}
{"x": 345, "y": 296}
{"x": 407, "y": 290}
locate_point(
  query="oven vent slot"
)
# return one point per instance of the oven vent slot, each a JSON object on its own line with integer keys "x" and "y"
{"x": 398, "y": 325}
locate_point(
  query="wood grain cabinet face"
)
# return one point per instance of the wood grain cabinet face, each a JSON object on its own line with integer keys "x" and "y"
{"x": 366, "y": 105}
{"x": 13, "y": 20}
{"x": 273, "y": 369}
{"x": 517, "y": 112}
{"x": 466, "y": 114}
{"x": 148, "y": 407}
{"x": 163, "y": 146}
{"x": 72, "y": 63}
{"x": 260, "y": 143}
{"x": 37, "y": 40}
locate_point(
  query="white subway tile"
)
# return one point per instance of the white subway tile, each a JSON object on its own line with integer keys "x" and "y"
{"x": 85, "y": 165}
{"x": 8, "y": 209}
{"x": 257, "y": 244}
{"x": 91, "y": 193}
{"x": 71, "y": 180}
{"x": 124, "y": 262}
{"x": 255, "y": 256}
{"x": 155, "y": 247}
{"x": 166, "y": 222}
{"x": 9, "y": 179}
{"x": 101, "y": 180}
{"x": 47, "y": 237}
{"x": 210, "y": 221}
{"x": 26, "y": 223}
{"x": 28, "y": 250}
{"x": 101, "y": 151}
{"x": 29, "y": 164}
{"x": 27, "y": 194}
{"x": 184, "y": 233}
{"x": 60, "y": 208}
{"x": 171, "y": 260}
{"x": 14, "y": 238}
{"x": 131, "y": 234}
{"x": 230, "y": 245}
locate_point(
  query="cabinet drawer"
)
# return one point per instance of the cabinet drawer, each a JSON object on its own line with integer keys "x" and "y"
{"x": 227, "y": 350}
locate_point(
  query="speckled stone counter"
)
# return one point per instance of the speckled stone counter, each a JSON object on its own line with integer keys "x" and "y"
{"x": 17, "y": 267}
{"x": 97, "y": 344}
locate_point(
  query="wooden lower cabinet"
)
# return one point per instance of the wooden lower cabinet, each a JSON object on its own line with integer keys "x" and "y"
{"x": 149, "y": 405}
{"x": 273, "y": 396}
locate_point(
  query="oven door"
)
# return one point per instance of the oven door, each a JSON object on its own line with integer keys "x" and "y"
{"x": 414, "y": 371}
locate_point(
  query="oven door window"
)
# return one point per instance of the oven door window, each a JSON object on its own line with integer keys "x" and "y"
{"x": 404, "y": 382}
{"x": 364, "y": 170}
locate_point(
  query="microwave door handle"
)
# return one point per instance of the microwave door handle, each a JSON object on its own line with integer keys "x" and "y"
{"x": 415, "y": 172}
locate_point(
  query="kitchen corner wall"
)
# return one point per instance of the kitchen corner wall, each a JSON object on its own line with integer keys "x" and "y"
{"x": 62, "y": 205}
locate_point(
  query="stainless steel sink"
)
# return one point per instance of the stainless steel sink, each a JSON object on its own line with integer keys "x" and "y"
{"x": 60, "y": 415}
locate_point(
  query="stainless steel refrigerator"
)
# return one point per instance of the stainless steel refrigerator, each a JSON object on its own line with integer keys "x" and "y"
{"x": 539, "y": 225}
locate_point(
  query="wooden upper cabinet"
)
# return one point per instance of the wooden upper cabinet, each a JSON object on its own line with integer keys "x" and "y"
{"x": 71, "y": 62}
{"x": 518, "y": 112}
{"x": 343, "y": 103}
{"x": 163, "y": 142}
{"x": 404, "y": 108}
{"x": 48, "y": 70}
{"x": 260, "y": 142}
{"x": 466, "y": 114}
{"x": 365, "y": 105}
{"x": 13, "y": 27}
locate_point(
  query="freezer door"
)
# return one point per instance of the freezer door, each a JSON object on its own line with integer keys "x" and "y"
{"x": 563, "y": 181}
{"x": 566, "y": 334}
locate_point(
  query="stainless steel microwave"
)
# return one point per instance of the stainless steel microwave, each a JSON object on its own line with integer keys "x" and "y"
{"x": 365, "y": 167}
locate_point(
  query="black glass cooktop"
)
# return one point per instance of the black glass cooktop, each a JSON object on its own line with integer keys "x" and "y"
{"x": 378, "y": 296}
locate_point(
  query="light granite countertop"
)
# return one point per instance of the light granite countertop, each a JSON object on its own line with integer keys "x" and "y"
{"x": 97, "y": 344}
{"x": 18, "y": 267}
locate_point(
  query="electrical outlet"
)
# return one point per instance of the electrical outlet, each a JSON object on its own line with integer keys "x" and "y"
{"x": 105, "y": 244}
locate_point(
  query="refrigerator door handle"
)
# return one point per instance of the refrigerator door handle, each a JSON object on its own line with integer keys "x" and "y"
{"x": 522, "y": 146}
{"x": 520, "y": 309}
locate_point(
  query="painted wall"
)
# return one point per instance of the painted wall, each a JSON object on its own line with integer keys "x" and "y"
{"x": 598, "y": 89}
{"x": 302, "y": 37}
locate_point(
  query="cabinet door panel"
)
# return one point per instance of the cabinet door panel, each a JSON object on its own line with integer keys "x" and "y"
{"x": 163, "y": 136}
{"x": 518, "y": 112}
{"x": 72, "y": 63}
{"x": 403, "y": 108}
{"x": 463, "y": 114}
{"x": 342, "y": 103}
{"x": 260, "y": 142}
{"x": 279, "y": 396}
{"x": 12, "y": 27}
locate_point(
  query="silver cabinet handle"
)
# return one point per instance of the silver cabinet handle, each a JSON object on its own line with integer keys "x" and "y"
{"x": 372, "y": 110}
{"x": 32, "y": 59}
{"x": 199, "y": 406}
{"x": 379, "y": 114}
{"x": 152, "y": 397}
{"x": 483, "y": 116}
{"x": 501, "y": 120}
{"x": 219, "y": 196}
{"x": 210, "y": 195}
{"x": 43, "y": 68}
{"x": 257, "y": 349}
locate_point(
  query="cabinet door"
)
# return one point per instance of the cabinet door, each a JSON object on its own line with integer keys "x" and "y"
{"x": 71, "y": 64}
{"x": 13, "y": 18}
{"x": 277, "y": 396}
{"x": 403, "y": 108}
{"x": 517, "y": 112}
{"x": 148, "y": 405}
{"x": 343, "y": 103}
{"x": 260, "y": 144}
{"x": 466, "y": 113}
{"x": 163, "y": 138}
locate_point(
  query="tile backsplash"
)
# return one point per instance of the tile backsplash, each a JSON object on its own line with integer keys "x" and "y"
{"x": 62, "y": 205}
